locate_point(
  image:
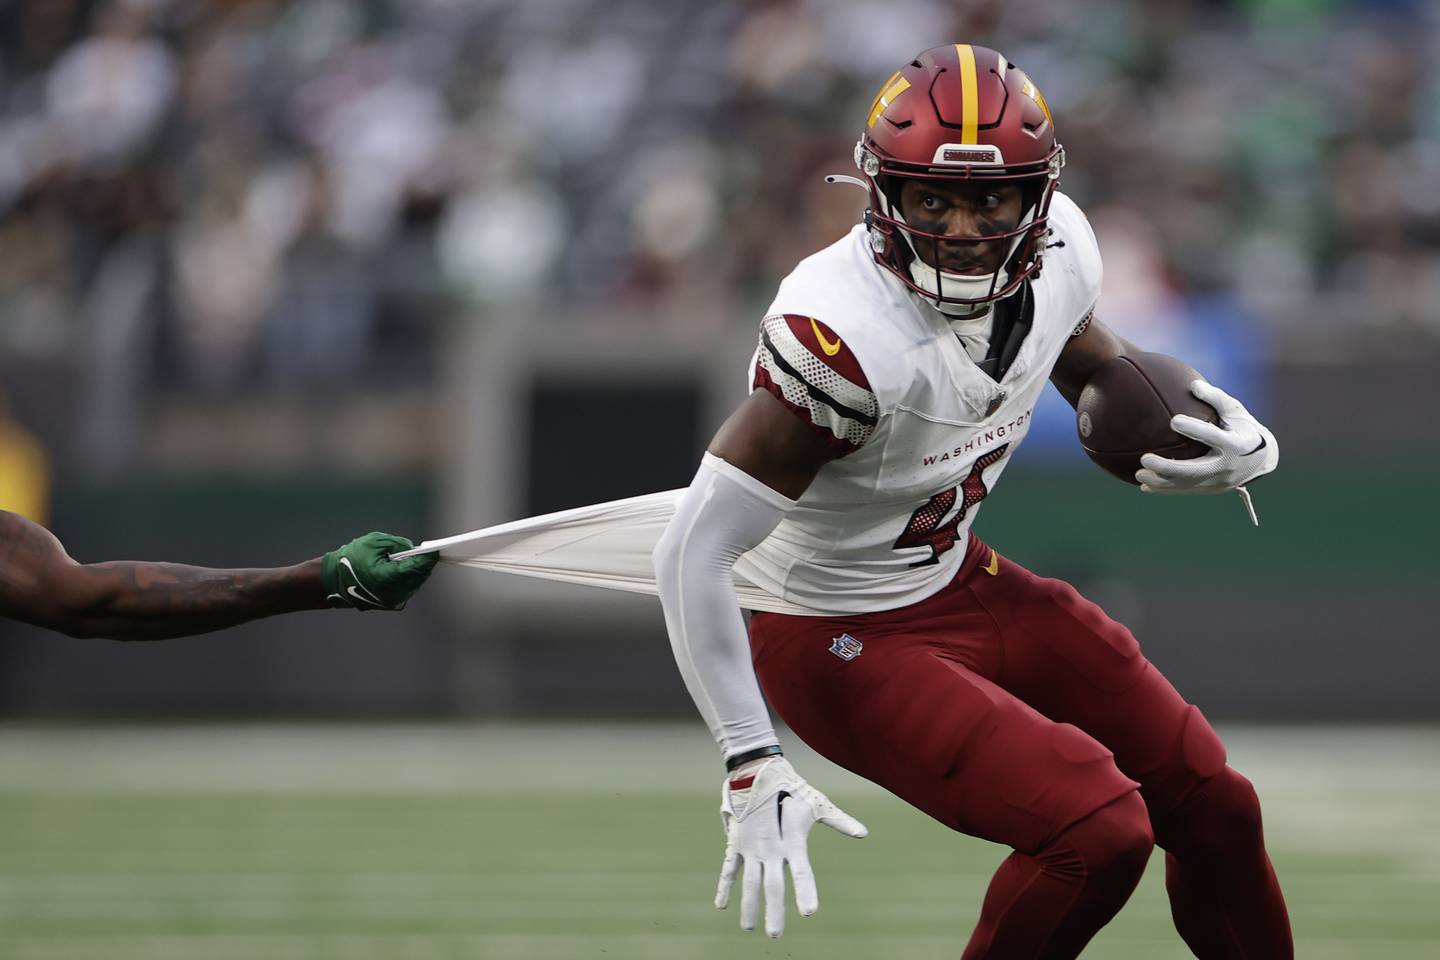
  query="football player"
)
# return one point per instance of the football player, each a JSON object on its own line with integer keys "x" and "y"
{"x": 126, "y": 600}
{"x": 894, "y": 379}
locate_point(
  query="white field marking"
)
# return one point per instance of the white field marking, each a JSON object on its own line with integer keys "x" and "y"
{"x": 19, "y": 890}
{"x": 28, "y": 895}
{"x": 200, "y": 884}
{"x": 43, "y": 893}
{"x": 329, "y": 909}
{"x": 1319, "y": 772}
{"x": 466, "y": 912}
{"x": 377, "y": 758}
{"x": 1343, "y": 790}
{"x": 653, "y": 946}
{"x": 637, "y": 947}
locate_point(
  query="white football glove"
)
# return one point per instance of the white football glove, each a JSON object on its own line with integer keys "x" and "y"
{"x": 767, "y": 812}
{"x": 1241, "y": 449}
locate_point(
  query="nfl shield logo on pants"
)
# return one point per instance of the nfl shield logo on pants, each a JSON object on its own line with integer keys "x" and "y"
{"x": 846, "y": 647}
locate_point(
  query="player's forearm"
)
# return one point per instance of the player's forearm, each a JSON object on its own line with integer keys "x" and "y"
{"x": 153, "y": 601}
{"x": 707, "y": 637}
{"x": 715, "y": 522}
{"x": 1083, "y": 355}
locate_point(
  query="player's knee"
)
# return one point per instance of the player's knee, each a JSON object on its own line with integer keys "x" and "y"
{"x": 1111, "y": 846}
{"x": 1226, "y": 808}
{"x": 1126, "y": 838}
{"x": 1200, "y": 747}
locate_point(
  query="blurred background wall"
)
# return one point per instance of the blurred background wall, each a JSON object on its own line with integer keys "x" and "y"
{"x": 275, "y": 274}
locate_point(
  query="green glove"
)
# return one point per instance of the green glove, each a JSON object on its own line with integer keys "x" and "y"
{"x": 362, "y": 575}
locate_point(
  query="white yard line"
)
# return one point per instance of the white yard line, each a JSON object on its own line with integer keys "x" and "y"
{"x": 575, "y": 946}
{"x": 369, "y": 757}
{"x": 1312, "y": 779}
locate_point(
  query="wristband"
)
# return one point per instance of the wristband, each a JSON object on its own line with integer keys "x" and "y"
{"x": 740, "y": 759}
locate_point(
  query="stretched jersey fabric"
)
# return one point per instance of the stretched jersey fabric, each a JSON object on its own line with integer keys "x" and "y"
{"x": 604, "y": 545}
{"x": 924, "y": 431}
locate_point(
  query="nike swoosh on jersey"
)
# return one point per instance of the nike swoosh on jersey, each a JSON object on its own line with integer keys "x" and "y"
{"x": 993, "y": 567}
{"x": 830, "y": 348}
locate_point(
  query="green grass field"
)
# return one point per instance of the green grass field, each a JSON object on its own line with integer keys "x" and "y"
{"x": 551, "y": 842}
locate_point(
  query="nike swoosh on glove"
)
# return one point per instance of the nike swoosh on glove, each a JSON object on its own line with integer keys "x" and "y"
{"x": 362, "y": 575}
{"x": 1241, "y": 449}
{"x": 767, "y": 811}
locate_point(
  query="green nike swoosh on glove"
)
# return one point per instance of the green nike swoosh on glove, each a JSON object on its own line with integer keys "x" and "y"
{"x": 362, "y": 575}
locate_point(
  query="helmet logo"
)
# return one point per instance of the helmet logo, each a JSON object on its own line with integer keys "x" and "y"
{"x": 889, "y": 90}
{"x": 1033, "y": 92}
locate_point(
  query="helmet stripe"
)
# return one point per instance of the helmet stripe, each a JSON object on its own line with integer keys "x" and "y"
{"x": 969, "y": 95}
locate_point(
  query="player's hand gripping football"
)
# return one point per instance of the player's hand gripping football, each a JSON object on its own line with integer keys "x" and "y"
{"x": 362, "y": 575}
{"x": 768, "y": 811}
{"x": 1241, "y": 449}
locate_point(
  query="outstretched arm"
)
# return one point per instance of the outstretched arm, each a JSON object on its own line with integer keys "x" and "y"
{"x": 759, "y": 463}
{"x": 133, "y": 600}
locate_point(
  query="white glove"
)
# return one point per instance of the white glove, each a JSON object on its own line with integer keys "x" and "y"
{"x": 1241, "y": 449}
{"x": 767, "y": 812}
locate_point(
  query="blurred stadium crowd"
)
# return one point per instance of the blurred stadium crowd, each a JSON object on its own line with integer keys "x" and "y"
{"x": 212, "y": 203}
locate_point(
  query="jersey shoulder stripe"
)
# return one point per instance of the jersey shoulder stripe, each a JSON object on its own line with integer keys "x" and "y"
{"x": 808, "y": 368}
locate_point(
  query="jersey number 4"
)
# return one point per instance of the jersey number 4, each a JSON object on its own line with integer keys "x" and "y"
{"x": 925, "y": 528}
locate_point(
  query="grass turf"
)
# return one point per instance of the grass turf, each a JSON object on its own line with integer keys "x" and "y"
{"x": 539, "y": 876}
{"x": 546, "y": 874}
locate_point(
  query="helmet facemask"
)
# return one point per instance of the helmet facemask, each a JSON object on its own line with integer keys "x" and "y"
{"x": 960, "y": 294}
{"x": 898, "y": 244}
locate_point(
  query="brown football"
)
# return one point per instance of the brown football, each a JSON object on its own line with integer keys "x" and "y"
{"x": 1125, "y": 410}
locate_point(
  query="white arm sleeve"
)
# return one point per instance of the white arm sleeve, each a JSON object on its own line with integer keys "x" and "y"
{"x": 724, "y": 513}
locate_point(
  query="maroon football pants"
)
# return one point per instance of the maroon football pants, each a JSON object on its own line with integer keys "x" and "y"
{"x": 1011, "y": 708}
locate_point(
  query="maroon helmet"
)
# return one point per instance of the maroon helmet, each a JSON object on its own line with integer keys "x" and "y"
{"x": 963, "y": 113}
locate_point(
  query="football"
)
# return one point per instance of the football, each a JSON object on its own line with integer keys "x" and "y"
{"x": 1125, "y": 410}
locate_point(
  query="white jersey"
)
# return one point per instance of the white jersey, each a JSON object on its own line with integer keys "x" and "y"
{"x": 924, "y": 433}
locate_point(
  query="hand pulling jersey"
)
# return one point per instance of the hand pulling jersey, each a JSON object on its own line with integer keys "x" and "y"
{"x": 923, "y": 431}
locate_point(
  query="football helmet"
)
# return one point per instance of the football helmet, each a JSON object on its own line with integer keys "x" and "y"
{"x": 958, "y": 113}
